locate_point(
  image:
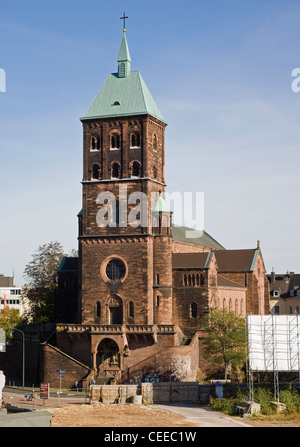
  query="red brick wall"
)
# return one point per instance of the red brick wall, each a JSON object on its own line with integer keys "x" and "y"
{"x": 53, "y": 360}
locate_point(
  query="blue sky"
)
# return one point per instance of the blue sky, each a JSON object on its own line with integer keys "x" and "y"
{"x": 220, "y": 72}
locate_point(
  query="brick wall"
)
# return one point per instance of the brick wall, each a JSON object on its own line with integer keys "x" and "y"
{"x": 53, "y": 360}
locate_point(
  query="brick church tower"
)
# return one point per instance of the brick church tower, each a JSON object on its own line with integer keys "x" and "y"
{"x": 125, "y": 229}
{"x": 125, "y": 250}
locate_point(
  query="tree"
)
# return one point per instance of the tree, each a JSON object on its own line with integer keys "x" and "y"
{"x": 42, "y": 281}
{"x": 9, "y": 319}
{"x": 225, "y": 339}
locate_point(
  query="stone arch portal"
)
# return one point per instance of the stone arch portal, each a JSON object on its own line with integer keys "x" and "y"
{"x": 108, "y": 357}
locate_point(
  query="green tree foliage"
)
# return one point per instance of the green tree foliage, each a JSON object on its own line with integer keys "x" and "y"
{"x": 9, "y": 319}
{"x": 225, "y": 340}
{"x": 42, "y": 281}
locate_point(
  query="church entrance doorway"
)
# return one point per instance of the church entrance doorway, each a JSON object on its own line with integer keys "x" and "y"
{"x": 108, "y": 357}
{"x": 115, "y": 306}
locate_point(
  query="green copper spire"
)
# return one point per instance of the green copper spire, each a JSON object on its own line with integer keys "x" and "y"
{"x": 124, "y": 60}
{"x": 124, "y": 93}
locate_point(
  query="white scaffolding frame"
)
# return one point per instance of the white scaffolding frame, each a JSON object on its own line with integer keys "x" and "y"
{"x": 273, "y": 345}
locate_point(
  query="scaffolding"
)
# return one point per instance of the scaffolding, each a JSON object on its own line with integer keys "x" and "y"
{"x": 273, "y": 345}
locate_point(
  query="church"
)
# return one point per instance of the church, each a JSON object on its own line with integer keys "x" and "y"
{"x": 131, "y": 305}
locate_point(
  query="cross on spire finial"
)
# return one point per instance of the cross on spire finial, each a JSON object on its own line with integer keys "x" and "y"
{"x": 124, "y": 19}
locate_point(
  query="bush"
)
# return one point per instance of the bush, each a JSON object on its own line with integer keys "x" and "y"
{"x": 264, "y": 396}
{"x": 291, "y": 399}
{"x": 226, "y": 405}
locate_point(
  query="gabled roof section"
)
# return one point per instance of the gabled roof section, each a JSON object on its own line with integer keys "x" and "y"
{"x": 236, "y": 260}
{"x": 184, "y": 234}
{"x": 191, "y": 260}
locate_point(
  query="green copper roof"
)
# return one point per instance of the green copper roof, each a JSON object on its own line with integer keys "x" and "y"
{"x": 123, "y": 96}
{"x": 123, "y": 93}
{"x": 160, "y": 206}
{"x": 184, "y": 234}
{"x": 124, "y": 54}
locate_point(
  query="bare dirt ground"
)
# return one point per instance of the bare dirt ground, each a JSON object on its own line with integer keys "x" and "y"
{"x": 110, "y": 415}
{"x": 276, "y": 420}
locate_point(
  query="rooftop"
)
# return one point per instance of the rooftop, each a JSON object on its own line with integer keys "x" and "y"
{"x": 124, "y": 93}
{"x": 236, "y": 260}
{"x": 190, "y": 236}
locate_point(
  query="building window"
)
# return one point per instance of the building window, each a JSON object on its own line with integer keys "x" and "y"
{"x": 290, "y": 310}
{"x": 157, "y": 279}
{"x": 202, "y": 280}
{"x": 115, "y": 170}
{"x": 98, "y": 310}
{"x": 154, "y": 172}
{"x": 276, "y": 293}
{"x": 276, "y": 310}
{"x": 96, "y": 172}
{"x": 115, "y": 141}
{"x": 157, "y": 300}
{"x": 94, "y": 146}
{"x": 131, "y": 309}
{"x": 135, "y": 140}
{"x": 135, "y": 169}
{"x": 193, "y": 310}
{"x": 115, "y": 270}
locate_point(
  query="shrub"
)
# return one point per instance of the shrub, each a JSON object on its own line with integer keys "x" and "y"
{"x": 291, "y": 399}
{"x": 264, "y": 396}
{"x": 226, "y": 405}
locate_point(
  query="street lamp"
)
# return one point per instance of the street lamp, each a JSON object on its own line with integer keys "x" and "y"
{"x": 23, "y": 372}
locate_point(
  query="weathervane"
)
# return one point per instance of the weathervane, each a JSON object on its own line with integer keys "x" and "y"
{"x": 124, "y": 18}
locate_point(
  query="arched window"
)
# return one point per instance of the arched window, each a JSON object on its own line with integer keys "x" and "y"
{"x": 155, "y": 143}
{"x": 193, "y": 310}
{"x": 190, "y": 280}
{"x": 96, "y": 172}
{"x": 131, "y": 309}
{"x": 98, "y": 309}
{"x": 115, "y": 141}
{"x": 194, "y": 280}
{"x": 135, "y": 169}
{"x": 202, "y": 280}
{"x": 236, "y": 307}
{"x": 185, "y": 280}
{"x": 94, "y": 144}
{"x": 198, "y": 279}
{"x": 115, "y": 170}
{"x": 242, "y": 307}
{"x": 154, "y": 172}
{"x": 135, "y": 140}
